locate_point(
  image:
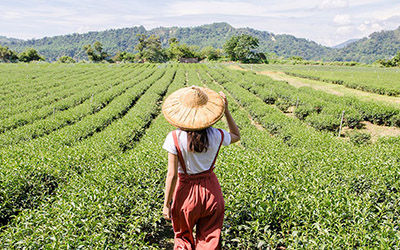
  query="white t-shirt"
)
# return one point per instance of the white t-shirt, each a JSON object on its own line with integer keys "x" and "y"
{"x": 197, "y": 162}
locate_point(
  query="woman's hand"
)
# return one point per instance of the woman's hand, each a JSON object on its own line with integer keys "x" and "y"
{"x": 167, "y": 212}
{"x": 225, "y": 100}
{"x": 233, "y": 128}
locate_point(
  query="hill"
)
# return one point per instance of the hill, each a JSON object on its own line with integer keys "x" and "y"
{"x": 344, "y": 44}
{"x": 125, "y": 39}
{"x": 379, "y": 45}
{"x": 4, "y": 40}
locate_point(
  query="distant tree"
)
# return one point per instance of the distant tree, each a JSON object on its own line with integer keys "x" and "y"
{"x": 172, "y": 40}
{"x": 173, "y": 51}
{"x": 396, "y": 59}
{"x": 66, "y": 59}
{"x": 177, "y": 50}
{"x": 394, "y": 62}
{"x": 241, "y": 48}
{"x": 7, "y": 55}
{"x": 124, "y": 57}
{"x": 211, "y": 53}
{"x": 30, "y": 55}
{"x": 150, "y": 49}
{"x": 95, "y": 53}
{"x": 262, "y": 57}
{"x": 229, "y": 48}
{"x": 296, "y": 58}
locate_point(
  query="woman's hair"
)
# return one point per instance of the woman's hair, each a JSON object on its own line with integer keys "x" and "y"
{"x": 197, "y": 141}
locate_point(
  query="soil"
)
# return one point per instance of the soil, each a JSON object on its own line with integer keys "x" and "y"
{"x": 235, "y": 66}
{"x": 290, "y": 112}
{"x": 280, "y": 76}
{"x": 376, "y": 131}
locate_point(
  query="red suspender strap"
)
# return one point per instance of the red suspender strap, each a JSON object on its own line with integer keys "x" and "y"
{"x": 220, "y": 144}
{"x": 178, "y": 149}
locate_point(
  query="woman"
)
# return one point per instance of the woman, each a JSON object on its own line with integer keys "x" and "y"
{"x": 192, "y": 151}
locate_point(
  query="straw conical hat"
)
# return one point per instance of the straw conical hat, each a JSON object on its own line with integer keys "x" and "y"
{"x": 193, "y": 108}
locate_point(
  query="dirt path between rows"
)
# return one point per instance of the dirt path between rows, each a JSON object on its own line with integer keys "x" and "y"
{"x": 280, "y": 76}
{"x": 376, "y": 131}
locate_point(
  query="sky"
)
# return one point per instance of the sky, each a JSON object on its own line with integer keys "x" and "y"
{"x": 328, "y": 22}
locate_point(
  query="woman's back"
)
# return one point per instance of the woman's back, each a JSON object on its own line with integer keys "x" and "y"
{"x": 197, "y": 162}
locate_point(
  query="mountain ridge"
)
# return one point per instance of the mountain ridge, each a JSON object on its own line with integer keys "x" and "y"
{"x": 215, "y": 34}
{"x": 346, "y": 43}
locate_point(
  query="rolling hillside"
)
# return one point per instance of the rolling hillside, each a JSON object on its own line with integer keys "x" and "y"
{"x": 344, "y": 44}
{"x": 378, "y": 45}
{"x": 383, "y": 44}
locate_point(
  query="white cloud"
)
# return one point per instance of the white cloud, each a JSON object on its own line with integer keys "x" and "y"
{"x": 284, "y": 8}
{"x": 368, "y": 27}
{"x": 344, "y": 30}
{"x": 10, "y": 15}
{"x": 181, "y": 8}
{"x": 358, "y": 3}
{"x": 376, "y": 26}
{"x": 36, "y": 13}
{"x": 333, "y": 4}
{"x": 83, "y": 29}
{"x": 378, "y": 19}
{"x": 362, "y": 27}
{"x": 135, "y": 18}
{"x": 325, "y": 21}
{"x": 342, "y": 19}
{"x": 386, "y": 13}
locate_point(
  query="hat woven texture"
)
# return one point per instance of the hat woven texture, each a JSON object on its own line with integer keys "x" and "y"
{"x": 193, "y": 108}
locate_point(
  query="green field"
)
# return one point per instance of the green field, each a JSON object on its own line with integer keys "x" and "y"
{"x": 81, "y": 163}
{"x": 384, "y": 81}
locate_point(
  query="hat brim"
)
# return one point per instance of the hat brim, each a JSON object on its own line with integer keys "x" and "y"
{"x": 193, "y": 118}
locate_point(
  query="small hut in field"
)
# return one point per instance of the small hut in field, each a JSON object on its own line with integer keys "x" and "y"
{"x": 188, "y": 60}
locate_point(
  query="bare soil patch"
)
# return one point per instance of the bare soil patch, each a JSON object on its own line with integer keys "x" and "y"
{"x": 255, "y": 123}
{"x": 376, "y": 131}
{"x": 290, "y": 112}
{"x": 237, "y": 67}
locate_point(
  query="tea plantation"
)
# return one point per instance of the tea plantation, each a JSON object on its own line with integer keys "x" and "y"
{"x": 81, "y": 163}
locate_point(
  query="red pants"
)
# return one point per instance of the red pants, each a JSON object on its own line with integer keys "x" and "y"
{"x": 198, "y": 201}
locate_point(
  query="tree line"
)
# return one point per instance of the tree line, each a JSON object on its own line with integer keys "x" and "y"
{"x": 394, "y": 62}
{"x": 242, "y": 48}
{"x": 149, "y": 49}
{"x": 9, "y": 56}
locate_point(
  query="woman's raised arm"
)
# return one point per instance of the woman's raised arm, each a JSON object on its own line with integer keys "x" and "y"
{"x": 233, "y": 128}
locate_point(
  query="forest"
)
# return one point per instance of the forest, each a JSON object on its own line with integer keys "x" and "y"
{"x": 379, "y": 45}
